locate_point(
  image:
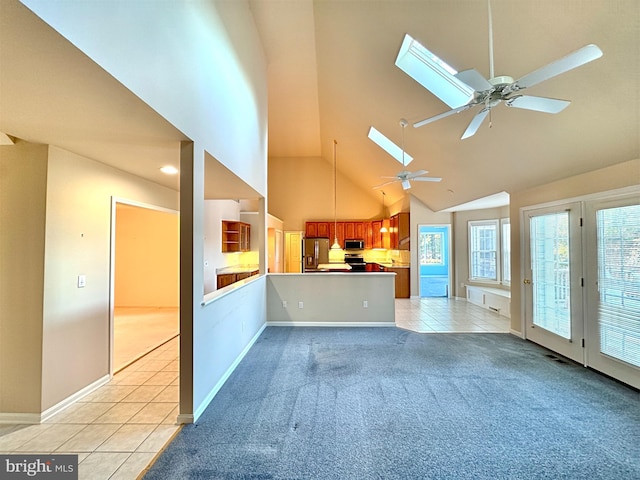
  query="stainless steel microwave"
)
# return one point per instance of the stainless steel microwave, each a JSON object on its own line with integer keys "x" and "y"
{"x": 354, "y": 244}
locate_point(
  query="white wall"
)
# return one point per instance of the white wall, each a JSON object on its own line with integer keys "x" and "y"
{"x": 331, "y": 299}
{"x": 172, "y": 56}
{"x": 223, "y": 331}
{"x": 78, "y": 232}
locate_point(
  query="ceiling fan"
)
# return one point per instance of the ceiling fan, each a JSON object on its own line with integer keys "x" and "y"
{"x": 472, "y": 87}
{"x": 405, "y": 176}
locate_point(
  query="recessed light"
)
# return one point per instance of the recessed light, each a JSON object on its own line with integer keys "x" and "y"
{"x": 169, "y": 170}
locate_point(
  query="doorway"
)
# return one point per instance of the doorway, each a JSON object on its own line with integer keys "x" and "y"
{"x": 145, "y": 280}
{"x": 581, "y": 284}
{"x": 433, "y": 260}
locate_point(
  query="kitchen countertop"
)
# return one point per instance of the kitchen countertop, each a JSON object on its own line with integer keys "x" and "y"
{"x": 333, "y": 266}
{"x": 237, "y": 269}
{"x": 392, "y": 265}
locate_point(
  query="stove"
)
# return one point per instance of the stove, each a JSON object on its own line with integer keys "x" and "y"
{"x": 356, "y": 262}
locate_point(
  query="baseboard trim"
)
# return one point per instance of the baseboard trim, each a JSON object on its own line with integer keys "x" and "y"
{"x": 70, "y": 400}
{"x": 20, "y": 418}
{"x": 516, "y": 333}
{"x": 36, "y": 418}
{"x": 184, "y": 418}
{"x": 214, "y": 391}
{"x": 331, "y": 324}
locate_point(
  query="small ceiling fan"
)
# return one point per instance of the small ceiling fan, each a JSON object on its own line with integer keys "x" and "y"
{"x": 405, "y": 176}
{"x": 489, "y": 93}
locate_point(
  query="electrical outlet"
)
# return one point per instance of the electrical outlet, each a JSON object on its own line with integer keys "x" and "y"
{"x": 284, "y": 304}
{"x": 365, "y": 304}
{"x": 300, "y": 305}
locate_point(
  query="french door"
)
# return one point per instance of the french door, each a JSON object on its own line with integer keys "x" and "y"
{"x": 613, "y": 288}
{"x": 552, "y": 285}
{"x": 581, "y": 284}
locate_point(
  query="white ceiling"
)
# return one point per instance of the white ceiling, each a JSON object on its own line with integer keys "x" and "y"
{"x": 332, "y": 75}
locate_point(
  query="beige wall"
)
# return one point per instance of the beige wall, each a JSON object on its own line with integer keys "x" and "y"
{"x": 147, "y": 253}
{"x": 23, "y": 186}
{"x": 78, "y": 233}
{"x": 301, "y": 189}
{"x": 622, "y": 175}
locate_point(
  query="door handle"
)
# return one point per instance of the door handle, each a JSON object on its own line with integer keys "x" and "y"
{"x": 526, "y": 281}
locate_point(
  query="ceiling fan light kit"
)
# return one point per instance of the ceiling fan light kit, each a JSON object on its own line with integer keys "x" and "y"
{"x": 497, "y": 89}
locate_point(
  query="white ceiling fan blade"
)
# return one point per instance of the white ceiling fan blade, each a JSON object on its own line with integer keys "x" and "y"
{"x": 443, "y": 115}
{"x": 539, "y": 104}
{"x": 584, "y": 55}
{"x": 386, "y": 183}
{"x": 427, "y": 179}
{"x": 411, "y": 176}
{"x": 473, "y": 78}
{"x": 475, "y": 123}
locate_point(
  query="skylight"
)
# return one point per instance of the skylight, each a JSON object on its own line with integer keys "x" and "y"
{"x": 388, "y": 146}
{"x": 433, "y": 73}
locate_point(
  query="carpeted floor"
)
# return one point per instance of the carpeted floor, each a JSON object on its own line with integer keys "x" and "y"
{"x": 385, "y": 403}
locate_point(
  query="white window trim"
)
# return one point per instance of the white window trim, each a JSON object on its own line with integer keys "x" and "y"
{"x": 483, "y": 280}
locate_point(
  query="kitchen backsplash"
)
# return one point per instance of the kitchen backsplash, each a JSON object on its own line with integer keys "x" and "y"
{"x": 387, "y": 256}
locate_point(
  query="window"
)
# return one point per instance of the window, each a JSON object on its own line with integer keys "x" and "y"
{"x": 489, "y": 251}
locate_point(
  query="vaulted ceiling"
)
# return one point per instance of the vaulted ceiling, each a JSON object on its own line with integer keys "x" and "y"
{"x": 332, "y": 76}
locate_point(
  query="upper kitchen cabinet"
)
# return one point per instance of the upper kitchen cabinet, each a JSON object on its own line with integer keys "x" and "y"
{"x": 400, "y": 231}
{"x": 317, "y": 230}
{"x": 236, "y": 236}
{"x": 354, "y": 230}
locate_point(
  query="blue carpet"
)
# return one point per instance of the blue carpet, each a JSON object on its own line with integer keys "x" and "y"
{"x": 384, "y": 403}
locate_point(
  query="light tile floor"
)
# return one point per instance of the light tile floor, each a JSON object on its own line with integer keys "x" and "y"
{"x": 119, "y": 429}
{"x": 116, "y": 430}
{"x": 447, "y": 315}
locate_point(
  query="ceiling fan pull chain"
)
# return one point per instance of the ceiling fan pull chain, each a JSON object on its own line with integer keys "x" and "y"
{"x": 490, "y": 120}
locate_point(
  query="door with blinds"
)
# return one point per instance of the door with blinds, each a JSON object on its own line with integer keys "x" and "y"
{"x": 552, "y": 284}
{"x": 613, "y": 288}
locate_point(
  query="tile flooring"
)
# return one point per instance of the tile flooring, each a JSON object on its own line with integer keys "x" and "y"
{"x": 119, "y": 429}
{"x": 448, "y": 315}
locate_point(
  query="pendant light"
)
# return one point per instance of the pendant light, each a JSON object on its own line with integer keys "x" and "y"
{"x": 336, "y": 245}
{"x": 383, "y": 229}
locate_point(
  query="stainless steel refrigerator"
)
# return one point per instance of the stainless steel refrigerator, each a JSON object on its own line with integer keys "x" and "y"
{"x": 316, "y": 252}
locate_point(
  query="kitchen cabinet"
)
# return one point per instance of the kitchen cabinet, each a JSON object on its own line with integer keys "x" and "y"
{"x": 225, "y": 279}
{"x": 236, "y": 236}
{"x": 318, "y": 229}
{"x": 402, "y": 279}
{"x": 400, "y": 231}
{"x": 403, "y": 289}
{"x": 376, "y": 236}
{"x": 354, "y": 230}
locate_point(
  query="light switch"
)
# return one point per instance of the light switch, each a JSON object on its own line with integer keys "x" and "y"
{"x": 82, "y": 280}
